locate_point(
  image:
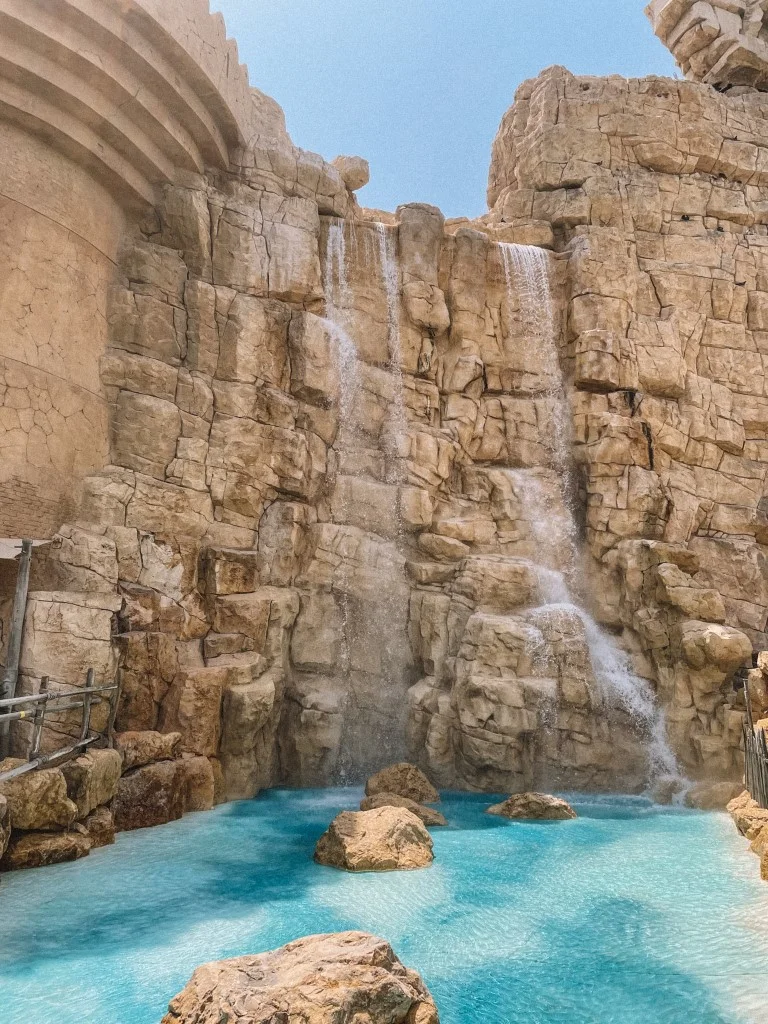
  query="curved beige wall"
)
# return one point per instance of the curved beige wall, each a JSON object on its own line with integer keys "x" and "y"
{"x": 101, "y": 102}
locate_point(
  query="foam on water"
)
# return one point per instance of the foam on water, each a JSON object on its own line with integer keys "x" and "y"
{"x": 632, "y": 914}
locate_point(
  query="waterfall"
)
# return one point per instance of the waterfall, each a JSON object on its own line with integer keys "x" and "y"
{"x": 526, "y": 270}
{"x": 390, "y": 272}
{"x": 369, "y": 579}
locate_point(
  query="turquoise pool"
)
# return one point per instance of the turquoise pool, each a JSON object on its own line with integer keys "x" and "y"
{"x": 632, "y": 914}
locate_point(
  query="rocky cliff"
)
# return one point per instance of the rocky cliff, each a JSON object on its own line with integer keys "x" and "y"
{"x": 490, "y": 494}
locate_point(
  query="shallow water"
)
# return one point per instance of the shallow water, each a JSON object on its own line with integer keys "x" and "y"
{"x": 632, "y": 914}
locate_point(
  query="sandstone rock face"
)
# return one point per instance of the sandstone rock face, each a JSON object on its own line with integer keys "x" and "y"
{"x": 712, "y": 796}
{"x": 722, "y": 42}
{"x": 40, "y": 849}
{"x": 100, "y": 826}
{"x": 539, "y": 806}
{"x": 404, "y": 780}
{"x": 140, "y": 748}
{"x": 289, "y": 420}
{"x": 384, "y": 839}
{"x": 37, "y": 801}
{"x": 152, "y": 795}
{"x": 5, "y": 825}
{"x": 322, "y": 979}
{"x": 92, "y": 779}
{"x": 428, "y": 815}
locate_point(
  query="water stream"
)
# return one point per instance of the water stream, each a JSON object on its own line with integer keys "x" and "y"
{"x": 527, "y": 275}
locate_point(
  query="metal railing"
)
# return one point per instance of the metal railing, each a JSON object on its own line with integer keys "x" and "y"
{"x": 38, "y": 707}
{"x": 755, "y": 756}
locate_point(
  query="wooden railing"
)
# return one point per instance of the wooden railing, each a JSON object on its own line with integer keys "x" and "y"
{"x": 755, "y": 756}
{"x": 40, "y": 706}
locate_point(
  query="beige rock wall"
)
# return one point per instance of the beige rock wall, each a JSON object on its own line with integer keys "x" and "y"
{"x": 342, "y": 472}
{"x": 655, "y": 192}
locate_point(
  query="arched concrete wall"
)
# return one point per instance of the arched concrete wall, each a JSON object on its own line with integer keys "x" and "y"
{"x": 101, "y": 102}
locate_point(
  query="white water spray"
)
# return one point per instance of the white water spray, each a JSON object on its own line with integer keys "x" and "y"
{"x": 390, "y": 271}
{"x": 526, "y": 270}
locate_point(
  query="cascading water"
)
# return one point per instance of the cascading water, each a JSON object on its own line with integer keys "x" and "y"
{"x": 526, "y": 271}
{"x": 397, "y": 426}
{"x": 369, "y": 580}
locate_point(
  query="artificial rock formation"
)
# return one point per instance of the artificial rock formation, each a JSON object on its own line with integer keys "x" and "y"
{"x": 428, "y": 815}
{"x": 326, "y": 487}
{"x": 323, "y": 979}
{"x": 386, "y": 838}
{"x": 539, "y": 806}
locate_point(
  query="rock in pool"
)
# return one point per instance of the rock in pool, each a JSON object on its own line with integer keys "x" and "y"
{"x": 384, "y": 839}
{"x": 530, "y": 806}
{"x": 323, "y": 979}
{"x": 427, "y": 814}
{"x": 403, "y": 780}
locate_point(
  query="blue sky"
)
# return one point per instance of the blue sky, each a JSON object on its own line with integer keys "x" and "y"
{"x": 418, "y": 87}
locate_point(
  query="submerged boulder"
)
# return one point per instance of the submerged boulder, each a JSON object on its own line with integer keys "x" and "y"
{"x": 39, "y": 849}
{"x": 38, "y": 800}
{"x": 384, "y": 839}
{"x": 427, "y": 814}
{"x": 323, "y": 979}
{"x": 403, "y": 780}
{"x": 530, "y": 806}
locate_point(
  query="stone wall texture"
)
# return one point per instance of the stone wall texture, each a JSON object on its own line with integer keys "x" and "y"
{"x": 328, "y": 487}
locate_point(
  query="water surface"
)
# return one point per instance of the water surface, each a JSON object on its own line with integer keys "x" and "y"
{"x": 632, "y": 914}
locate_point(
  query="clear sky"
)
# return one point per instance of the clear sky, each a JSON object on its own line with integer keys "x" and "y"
{"x": 418, "y": 87}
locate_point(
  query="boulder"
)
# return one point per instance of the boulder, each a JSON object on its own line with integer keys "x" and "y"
{"x": 323, "y": 979}
{"x": 384, "y": 839}
{"x": 403, "y": 780}
{"x": 5, "y": 825}
{"x": 538, "y": 806}
{"x": 712, "y": 796}
{"x": 38, "y": 800}
{"x": 100, "y": 827}
{"x": 750, "y": 819}
{"x": 149, "y": 796}
{"x": 39, "y": 849}
{"x": 92, "y": 779}
{"x": 354, "y": 170}
{"x": 140, "y": 748}
{"x": 427, "y": 814}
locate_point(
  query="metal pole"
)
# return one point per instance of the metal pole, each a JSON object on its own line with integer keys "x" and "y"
{"x": 87, "y": 705}
{"x": 8, "y": 685}
{"x": 39, "y": 721}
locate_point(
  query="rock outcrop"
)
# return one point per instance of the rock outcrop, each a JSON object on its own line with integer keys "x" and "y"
{"x": 405, "y": 780}
{"x": 385, "y": 839}
{"x": 323, "y": 979}
{"x": 427, "y": 814}
{"x": 535, "y": 806}
{"x": 722, "y": 42}
{"x": 314, "y": 474}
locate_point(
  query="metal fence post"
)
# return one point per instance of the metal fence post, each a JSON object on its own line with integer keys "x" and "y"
{"x": 37, "y": 732}
{"x": 87, "y": 696}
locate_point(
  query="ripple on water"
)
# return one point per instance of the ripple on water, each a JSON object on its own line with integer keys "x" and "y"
{"x": 632, "y": 914}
